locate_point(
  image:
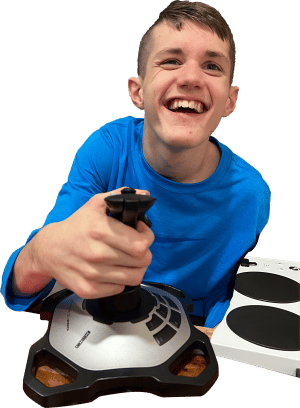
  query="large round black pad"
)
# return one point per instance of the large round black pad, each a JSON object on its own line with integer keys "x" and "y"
{"x": 268, "y": 287}
{"x": 266, "y": 326}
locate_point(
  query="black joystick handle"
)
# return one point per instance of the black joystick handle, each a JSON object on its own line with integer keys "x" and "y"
{"x": 127, "y": 207}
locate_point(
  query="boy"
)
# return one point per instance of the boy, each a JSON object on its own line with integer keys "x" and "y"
{"x": 210, "y": 206}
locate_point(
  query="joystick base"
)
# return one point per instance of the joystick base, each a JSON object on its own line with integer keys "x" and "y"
{"x": 94, "y": 359}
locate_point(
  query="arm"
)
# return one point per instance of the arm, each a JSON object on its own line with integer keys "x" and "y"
{"x": 27, "y": 279}
{"x": 89, "y": 253}
{"x": 79, "y": 245}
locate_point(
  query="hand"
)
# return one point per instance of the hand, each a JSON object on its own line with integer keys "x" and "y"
{"x": 90, "y": 253}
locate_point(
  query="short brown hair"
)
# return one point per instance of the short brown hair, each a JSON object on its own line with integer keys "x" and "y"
{"x": 179, "y": 11}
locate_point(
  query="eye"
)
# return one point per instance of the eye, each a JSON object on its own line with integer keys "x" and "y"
{"x": 212, "y": 67}
{"x": 170, "y": 62}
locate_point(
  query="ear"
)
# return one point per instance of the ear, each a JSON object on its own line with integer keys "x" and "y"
{"x": 231, "y": 101}
{"x": 136, "y": 92}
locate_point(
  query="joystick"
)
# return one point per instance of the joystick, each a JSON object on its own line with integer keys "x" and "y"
{"x": 139, "y": 340}
{"x": 133, "y": 302}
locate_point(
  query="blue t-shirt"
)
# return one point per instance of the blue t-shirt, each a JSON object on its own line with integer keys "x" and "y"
{"x": 201, "y": 230}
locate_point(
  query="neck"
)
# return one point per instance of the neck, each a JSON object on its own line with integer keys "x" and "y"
{"x": 183, "y": 165}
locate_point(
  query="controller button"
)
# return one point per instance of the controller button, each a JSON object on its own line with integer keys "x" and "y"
{"x": 164, "y": 335}
{"x": 154, "y": 322}
{"x": 163, "y": 311}
{"x": 175, "y": 318}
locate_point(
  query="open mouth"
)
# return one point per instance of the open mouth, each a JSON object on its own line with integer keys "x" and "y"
{"x": 181, "y": 105}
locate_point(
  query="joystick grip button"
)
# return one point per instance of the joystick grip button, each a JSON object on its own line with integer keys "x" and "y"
{"x": 164, "y": 335}
{"x": 128, "y": 190}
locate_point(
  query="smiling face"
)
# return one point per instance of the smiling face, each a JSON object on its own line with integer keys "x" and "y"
{"x": 186, "y": 90}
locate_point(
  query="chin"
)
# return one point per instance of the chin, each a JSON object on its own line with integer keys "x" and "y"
{"x": 184, "y": 140}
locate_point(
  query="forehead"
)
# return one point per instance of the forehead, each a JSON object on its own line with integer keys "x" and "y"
{"x": 192, "y": 37}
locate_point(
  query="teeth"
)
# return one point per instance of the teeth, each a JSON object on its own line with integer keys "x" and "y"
{"x": 180, "y": 103}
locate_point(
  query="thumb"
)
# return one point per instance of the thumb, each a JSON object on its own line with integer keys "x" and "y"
{"x": 97, "y": 201}
{"x": 119, "y": 190}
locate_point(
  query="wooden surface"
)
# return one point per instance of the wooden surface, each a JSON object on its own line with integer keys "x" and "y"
{"x": 208, "y": 331}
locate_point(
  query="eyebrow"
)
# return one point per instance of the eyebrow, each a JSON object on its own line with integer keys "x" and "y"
{"x": 179, "y": 51}
{"x": 176, "y": 51}
{"x": 216, "y": 54}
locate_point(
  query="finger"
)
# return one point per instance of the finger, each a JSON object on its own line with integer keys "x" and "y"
{"x": 101, "y": 253}
{"x": 119, "y": 275}
{"x": 137, "y": 191}
{"x": 119, "y": 191}
{"x": 116, "y": 276}
{"x": 143, "y": 192}
{"x": 134, "y": 242}
{"x": 145, "y": 233}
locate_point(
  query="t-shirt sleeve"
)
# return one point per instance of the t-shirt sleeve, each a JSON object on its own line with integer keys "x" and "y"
{"x": 89, "y": 175}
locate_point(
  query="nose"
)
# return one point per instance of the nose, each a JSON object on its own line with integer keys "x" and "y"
{"x": 191, "y": 76}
